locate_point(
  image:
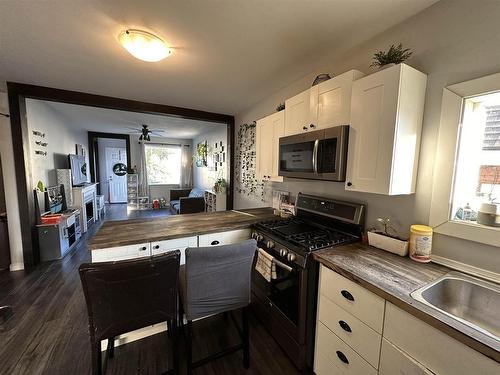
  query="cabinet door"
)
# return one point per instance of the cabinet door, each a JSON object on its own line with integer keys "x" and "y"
{"x": 331, "y": 100}
{"x": 278, "y": 125}
{"x": 121, "y": 252}
{"x": 264, "y": 138}
{"x": 161, "y": 247}
{"x": 394, "y": 362}
{"x": 297, "y": 113}
{"x": 374, "y": 105}
{"x": 223, "y": 238}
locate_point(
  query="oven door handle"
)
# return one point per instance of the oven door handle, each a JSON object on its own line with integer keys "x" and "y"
{"x": 283, "y": 265}
{"x": 315, "y": 156}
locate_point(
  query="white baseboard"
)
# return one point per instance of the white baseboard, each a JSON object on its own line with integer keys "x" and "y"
{"x": 16, "y": 267}
{"x": 471, "y": 270}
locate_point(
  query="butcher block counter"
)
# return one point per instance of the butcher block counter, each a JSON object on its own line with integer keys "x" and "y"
{"x": 130, "y": 232}
{"x": 405, "y": 326}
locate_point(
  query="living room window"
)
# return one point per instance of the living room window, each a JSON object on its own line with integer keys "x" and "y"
{"x": 163, "y": 164}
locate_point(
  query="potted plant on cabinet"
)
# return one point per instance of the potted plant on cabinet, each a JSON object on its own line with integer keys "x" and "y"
{"x": 395, "y": 55}
{"x": 382, "y": 239}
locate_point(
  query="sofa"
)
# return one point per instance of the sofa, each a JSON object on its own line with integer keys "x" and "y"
{"x": 187, "y": 201}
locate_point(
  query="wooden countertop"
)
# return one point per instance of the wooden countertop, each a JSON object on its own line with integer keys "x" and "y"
{"x": 129, "y": 232}
{"x": 393, "y": 278}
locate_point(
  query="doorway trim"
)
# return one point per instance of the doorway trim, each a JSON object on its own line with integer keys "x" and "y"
{"x": 94, "y": 153}
{"x": 19, "y": 92}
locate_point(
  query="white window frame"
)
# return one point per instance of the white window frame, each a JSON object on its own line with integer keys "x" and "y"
{"x": 165, "y": 145}
{"x": 445, "y": 162}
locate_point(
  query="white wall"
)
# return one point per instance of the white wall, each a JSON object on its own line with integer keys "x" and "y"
{"x": 155, "y": 191}
{"x": 454, "y": 41}
{"x": 10, "y": 186}
{"x": 203, "y": 177}
{"x": 60, "y": 136}
{"x": 102, "y": 143}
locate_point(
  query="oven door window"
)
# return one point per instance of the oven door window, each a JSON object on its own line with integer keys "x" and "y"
{"x": 297, "y": 157}
{"x": 284, "y": 293}
{"x": 327, "y": 155}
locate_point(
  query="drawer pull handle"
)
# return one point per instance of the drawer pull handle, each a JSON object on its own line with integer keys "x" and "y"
{"x": 345, "y": 326}
{"x": 214, "y": 242}
{"x": 342, "y": 357}
{"x": 156, "y": 247}
{"x": 347, "y": 295}
{"x": 144, "y": 248}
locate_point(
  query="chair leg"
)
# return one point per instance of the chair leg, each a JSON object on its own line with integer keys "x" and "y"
{"x": 246, "y": 338}
{"x": 111, "y": 347}
{"x": 175, "y": 344}
{"x": 96, "y": 359}
{"x": 189, "y": 347}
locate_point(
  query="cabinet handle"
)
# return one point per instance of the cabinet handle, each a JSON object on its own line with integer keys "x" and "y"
{"x": 347, "y": 295}
{"x": 304, "y": 127}
{"x": 345, "y": 326}
{"x": 349, "y": 183}
{"x": 312, "y": 126}
{"x": 214, "y": 242}
{"x": 156, "y": 247}
{"x": 144, "y": 248}
{"x": 342, "y": 357}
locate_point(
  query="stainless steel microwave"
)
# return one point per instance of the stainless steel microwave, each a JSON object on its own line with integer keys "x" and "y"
{"x": 319, "y": 155}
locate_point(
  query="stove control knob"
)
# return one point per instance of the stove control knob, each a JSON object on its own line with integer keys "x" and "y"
{"x": 291, "y": 257}
{"x": 270, "y": 244}
{"x": 254, "y": 235}
{"x": 259, "y": 238}
{"x": 283, "y": 252}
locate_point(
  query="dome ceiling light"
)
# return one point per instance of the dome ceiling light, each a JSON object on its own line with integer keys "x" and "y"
{"x": 144, "y": 45}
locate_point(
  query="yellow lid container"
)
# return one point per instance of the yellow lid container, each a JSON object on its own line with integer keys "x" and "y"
{"x": 420, "y": 243}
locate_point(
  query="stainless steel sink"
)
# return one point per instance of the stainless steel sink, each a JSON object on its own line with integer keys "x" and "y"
{"x": 470, "y": 300}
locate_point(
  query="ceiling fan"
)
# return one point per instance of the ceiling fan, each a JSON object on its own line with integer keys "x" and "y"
{"x": 145, "y": 132}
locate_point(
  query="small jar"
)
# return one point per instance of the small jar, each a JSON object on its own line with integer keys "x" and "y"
{"x": 420, "y": 243}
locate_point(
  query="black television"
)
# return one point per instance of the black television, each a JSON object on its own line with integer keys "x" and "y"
{"x": 78, "y": 166}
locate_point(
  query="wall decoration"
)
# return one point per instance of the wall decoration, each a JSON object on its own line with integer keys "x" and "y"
{"x": 201, "y": 154}
{"x": 120, "y": 169}
{"x": 245, "y": 163}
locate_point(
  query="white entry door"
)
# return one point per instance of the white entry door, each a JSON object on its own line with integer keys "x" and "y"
{"x": 116, "y": 169}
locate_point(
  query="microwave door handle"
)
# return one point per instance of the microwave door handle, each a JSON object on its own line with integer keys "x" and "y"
{"x": 315, "y": 156}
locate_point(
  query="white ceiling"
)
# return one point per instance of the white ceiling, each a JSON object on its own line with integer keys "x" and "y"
{"x": 115, "y": 121}
{"x": 229, "y": 54}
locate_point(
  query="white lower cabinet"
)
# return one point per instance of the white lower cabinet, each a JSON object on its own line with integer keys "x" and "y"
{"x": 223, "y": 238}
{"x": 121, "y": 252}
{"x": 394, "y": 361}
{"x": 364, "y": 333}
{"x": 161, "y": 247}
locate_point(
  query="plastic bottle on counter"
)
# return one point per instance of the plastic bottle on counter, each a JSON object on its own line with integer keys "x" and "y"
{"x": 420, "y": 243}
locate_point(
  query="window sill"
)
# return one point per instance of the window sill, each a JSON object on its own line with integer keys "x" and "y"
{"x": 470, "y": 231}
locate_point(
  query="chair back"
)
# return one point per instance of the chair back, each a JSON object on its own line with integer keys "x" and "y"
{"x": 217, "y": 278}
{"x": 127, "y": 295}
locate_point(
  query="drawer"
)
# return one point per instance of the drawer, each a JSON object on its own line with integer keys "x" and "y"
{"x": 394, "y": 362}
{"x": 121, "y": 252}
{"x": 333, "y": 356}
{"x": 360, "y": 337}
{"x": 223, "y": 238}
{"x": 434, "y": 349}
{"x": 353, "y": 298}
{"x": 161, "y": 247}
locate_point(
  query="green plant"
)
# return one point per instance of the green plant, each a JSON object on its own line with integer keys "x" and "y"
{"x": 220, "y": 185}
{"x": 395, "y": 55}
{"x": 385, "y": 223}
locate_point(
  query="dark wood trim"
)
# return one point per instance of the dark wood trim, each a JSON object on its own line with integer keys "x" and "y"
{"x": 94, "y": 153}
{"x": 19, "y": 92}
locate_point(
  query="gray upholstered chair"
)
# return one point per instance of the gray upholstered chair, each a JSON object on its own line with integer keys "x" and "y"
{"x": 217, "y": 280}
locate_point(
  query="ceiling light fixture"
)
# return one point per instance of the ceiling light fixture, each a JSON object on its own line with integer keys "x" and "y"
{"x": 143, "y": 45}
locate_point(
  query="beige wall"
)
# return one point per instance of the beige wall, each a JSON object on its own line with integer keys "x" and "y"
{"x": 454, "y": 41}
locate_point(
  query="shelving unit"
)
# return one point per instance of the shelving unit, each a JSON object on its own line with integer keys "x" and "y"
{"x": 214, "y": 201}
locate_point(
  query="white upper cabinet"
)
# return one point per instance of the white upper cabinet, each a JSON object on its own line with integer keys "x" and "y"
{"x": 384, "y": 139}
{"x": 330, "y": 101}
{"x": 268, "y": 132}
{"x": 297, "y": 113}
{"x": 322, "y": 106}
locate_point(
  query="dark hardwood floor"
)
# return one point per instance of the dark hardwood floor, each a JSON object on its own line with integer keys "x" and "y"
{"x": 48, "y": 332}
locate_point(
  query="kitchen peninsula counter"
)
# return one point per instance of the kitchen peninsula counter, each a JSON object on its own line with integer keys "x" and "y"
{"x": 129, "y": 232}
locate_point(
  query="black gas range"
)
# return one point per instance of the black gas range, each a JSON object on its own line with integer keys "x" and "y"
{"x": 287, "y": 304}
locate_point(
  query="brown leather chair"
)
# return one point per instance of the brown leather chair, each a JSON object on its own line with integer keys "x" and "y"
{"x": 127, "y": 295}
